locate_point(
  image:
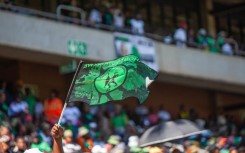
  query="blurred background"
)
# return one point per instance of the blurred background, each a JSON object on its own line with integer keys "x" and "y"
{"x": 198, "y": 47}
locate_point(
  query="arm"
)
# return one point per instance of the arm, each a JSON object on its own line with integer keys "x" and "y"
{"x": 57, "y": 133}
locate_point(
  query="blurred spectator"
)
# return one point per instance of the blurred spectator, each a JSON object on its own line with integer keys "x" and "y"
{"x": 222, "y": 143}
{"x": 69, "y": 145}
{"x": 31, "y": 101}
{"x": 191, "y": 39}
{"x": 87, "y": 117}
{"x": 104, "y": 124}
{"x": 127, "y": 21}
{"x": 37, "y": 142}
{"x": 18, "y": 107}
{"x": 52, "y": 107}
{"x": 108, "y": 16}
{"x": 112, "y": 143}
{"x": 119, "y": 120}
{"x": 45, "y": 133}
{"x": 167, "y": 39}
{"x": 3, "y": 107}
{"x": 163, "y": 114}
{"x": 183, "y": 114}
{"x": 118, "y": 19}
{"x": 84, "y": 139}
{"x": 71, "y": 115}
{"x": 95, "y": 16}
{"x": 180, "y": 35}
{"x": 20, "y": 145}
{"x": 227, "y": 48}
{"x": 38, "y": 110}
{"x": 202, "y": 38}
{"x": 153, "y": 116}
{"x": 212, "y": 44}
{"x": 137, "y": 24}
{"x": 5, "y": 144}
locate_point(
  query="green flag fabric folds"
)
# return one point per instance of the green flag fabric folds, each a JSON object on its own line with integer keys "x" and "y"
{"x": 110, "y": 81}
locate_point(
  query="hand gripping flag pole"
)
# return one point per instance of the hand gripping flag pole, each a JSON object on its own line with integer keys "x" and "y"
{"x": 69, "y": 92}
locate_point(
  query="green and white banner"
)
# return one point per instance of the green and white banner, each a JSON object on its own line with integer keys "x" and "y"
{"x": 140, "y": 46}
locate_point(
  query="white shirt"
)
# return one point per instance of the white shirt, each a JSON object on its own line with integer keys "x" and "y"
{"x": 18, "y": 107}
{"x": 180, "y": 37}
{"x": 137, "y": 26}
{"x": 39, "y": 108}
{"x": 71, "y": 114}
{"x": 95, "y": 16}
{"x": 164, "y": 115}
{"x": 71, "y": 148}
{"x": 227, "y": 49}
{"x": 118, "y": 19}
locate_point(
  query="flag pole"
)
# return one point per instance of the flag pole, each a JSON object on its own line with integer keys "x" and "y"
{"x": 62, "y": 113}
{"x": 69, "y": 92}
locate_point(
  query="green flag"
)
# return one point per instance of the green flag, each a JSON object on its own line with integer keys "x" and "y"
{"x": 113, "y": 80}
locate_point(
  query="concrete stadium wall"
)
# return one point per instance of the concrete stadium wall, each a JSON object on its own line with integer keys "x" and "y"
{"x": 177, "y": 65}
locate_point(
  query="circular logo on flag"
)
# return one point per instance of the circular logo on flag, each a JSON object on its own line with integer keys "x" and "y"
{"x": 111, "y": 79}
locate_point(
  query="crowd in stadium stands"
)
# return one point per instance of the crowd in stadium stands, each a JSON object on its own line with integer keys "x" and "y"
{"x": 110, "y": 15}
{"x": 26, "y": 121}
{"x": 183, "y": 36}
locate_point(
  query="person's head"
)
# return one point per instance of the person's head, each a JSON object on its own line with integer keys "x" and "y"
{"x": 2, "y": 97}
{"x": 202, "y": 32}
{"x": 193, "y": 149}
{"x": 4, "y": 130}
{"x": 68, "y": 136}
{"x": 83, "y": 132}
{"x": 233, "y": 150}
{"x": 212, "y": 149}
{"x": 53, "y": 93}
{"x": 20, "y": 143}
{"x": 4, "y": 143}
{"x": 221, "y": 142}
{"x": 46, "y": 128}
{"x": 241, "y": 150}
{"x": 222, "y": 34}
{"x": 35, "y": 138}
{"x": 183, "y": 25}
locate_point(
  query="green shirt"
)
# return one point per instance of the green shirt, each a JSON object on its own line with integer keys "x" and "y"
{"x": 212, "y": 46}
{"x": 119, "y": 120}
{"x": 31, "y": 102}
{"x": 43, "y": 146}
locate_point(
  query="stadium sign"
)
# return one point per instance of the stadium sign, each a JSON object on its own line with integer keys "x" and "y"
{"x": 77, "y": 48}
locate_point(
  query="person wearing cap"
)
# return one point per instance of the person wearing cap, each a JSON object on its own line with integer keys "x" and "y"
{"x": 38, "y": 143}
{"x": 4, "y": 144}
{"x": 84, "y": 139}
{"x": 112, "y": 142}
{"x": 68, "y": 144}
